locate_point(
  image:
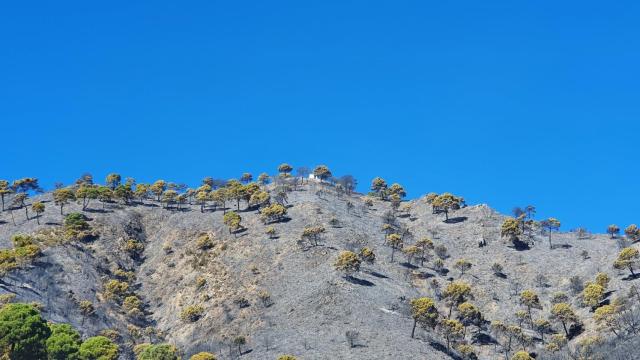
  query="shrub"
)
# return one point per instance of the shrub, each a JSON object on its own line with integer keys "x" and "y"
{"x": 86, "y": 307}
{"x": 122, "y": 274}
{"x": 312, "y": 234}
{"x": 115, "y": 289}
{"x": 200, "y": 282}
{"x": 347, "y": 262}
{"x": 76, "y": 227}
{"x": 203, "y": 356}
{"x": 497, "y": 269}
{"x": 273, "y": 213}
{"x": 27, "y": 253}
{"x": 99, "y": 348}
{"x": 76, "y": 221}
{"x": 559, "y": 297}
{"x": 271, "y": 232}
{"x": 264, "y": 297}
{"x": 133, "y": 247}
{"x": 20, "y": 240}
{"x": 7, "y": 261}
{"x": 522, "y": 355}
{"x": 466, "y": 351}
{"x": 132, "y": 304}
{"x": 110, "y": 334}
{"x": 158, "y": 352}
{"x": 204, "y": 242}
{"x": 602, "y": 279}
{"x": 64, "y": 342}
{"x": 367, "y": 255}
{"x": 191, "y": 313}
{"x": 139, "y": 348}
{"x": 6, "y": 299}
{"x": 593, "y": 294}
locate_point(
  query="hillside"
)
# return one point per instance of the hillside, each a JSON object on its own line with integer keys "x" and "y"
{"x": 283, "y": 295}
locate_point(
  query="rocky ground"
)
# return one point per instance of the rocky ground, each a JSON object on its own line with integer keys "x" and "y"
{"x": 311, "y": 305}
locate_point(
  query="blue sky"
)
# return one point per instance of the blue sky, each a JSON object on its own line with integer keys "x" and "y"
{"x": 507, "y": 103}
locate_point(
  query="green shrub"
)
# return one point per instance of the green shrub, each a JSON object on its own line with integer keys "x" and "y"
{"x": 27, "y": 253}
{"x": 98, "y": 348}
{"x": 76, "y": 221}
{"x": 64, "y": 342}
{"x": 7, "y": 260}
{"x": 158, "y": 352}
{"x": 20, "y": 240}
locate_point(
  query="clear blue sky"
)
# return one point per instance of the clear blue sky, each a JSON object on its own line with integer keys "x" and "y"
{"x": 508, "y": 103}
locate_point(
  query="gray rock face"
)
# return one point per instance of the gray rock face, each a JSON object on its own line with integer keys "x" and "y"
{"x": 310, "y": 305}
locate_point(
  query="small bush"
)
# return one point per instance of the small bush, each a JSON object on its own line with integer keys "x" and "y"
{"x": 20, "y": 240}
{"x": 203, "y": 356}
{"x": 86, "y": 307}
{"x": 132, "y": 303}
{"x": 265, "y": 298}
{"x": 115, "y": 289}
{"x": 6, "y": 299}
{"x": 204, "y": 242}
{"x": 191, "y": 313}
{"x": 200, "y": 282}
{"x": 133, "y": 247}
{"x": 122, "y": 274}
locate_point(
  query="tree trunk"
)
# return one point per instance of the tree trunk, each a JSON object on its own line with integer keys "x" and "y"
{"x": 413, "y": 331}
{"x": 26, "y": 211}
{"x": 564, "y": 326}
{"x": 38, "y": 219}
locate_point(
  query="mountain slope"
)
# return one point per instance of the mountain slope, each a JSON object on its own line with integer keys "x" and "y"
{"x": 311, "y": 306}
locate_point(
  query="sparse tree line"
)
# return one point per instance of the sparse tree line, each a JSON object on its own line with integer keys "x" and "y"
{"x": 210, "y": 195}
